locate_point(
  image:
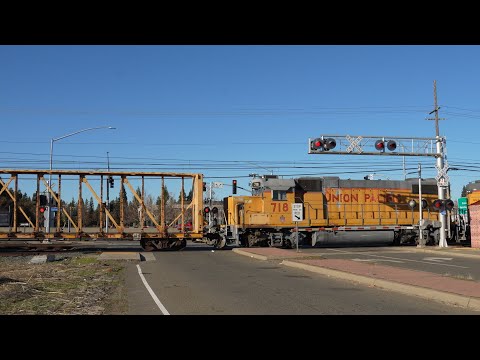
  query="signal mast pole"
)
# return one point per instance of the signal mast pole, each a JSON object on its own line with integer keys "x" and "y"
{"x": 442, "y": 178}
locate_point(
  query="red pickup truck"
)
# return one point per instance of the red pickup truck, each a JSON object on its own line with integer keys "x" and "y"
{"x": 188, "y": 226}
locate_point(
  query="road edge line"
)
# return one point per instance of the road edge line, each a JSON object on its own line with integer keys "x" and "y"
{"x": 152, "y": 294}
{"x": 246, "y": 253}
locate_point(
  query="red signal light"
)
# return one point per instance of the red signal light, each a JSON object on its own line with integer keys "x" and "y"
{"x": 330, "y": 144}
{"x": 42, "y": 209}
{"x": 438, "y": 204}
{"x": 206, "y": 210}
{"x": 391, "y": 145}
{"x": 380, "y": 145}
{"x": 449, "y": 204}
{"x": 316, "y": 144}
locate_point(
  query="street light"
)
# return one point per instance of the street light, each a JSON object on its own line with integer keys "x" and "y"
{"x": 47, "y": 228}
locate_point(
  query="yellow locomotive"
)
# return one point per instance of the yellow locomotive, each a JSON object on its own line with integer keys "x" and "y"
{"x": 473, "y": 192}
{"x": 332, "y": 211}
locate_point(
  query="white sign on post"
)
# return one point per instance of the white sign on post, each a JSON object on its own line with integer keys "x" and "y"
{"x": 297, "y": 212}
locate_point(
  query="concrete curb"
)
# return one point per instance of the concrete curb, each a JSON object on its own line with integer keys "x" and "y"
{"x": 119, "y": 256}
{"x": 147, "y": 256}
{"x": 250, "y": 255}
{"x": 440, "y": 296}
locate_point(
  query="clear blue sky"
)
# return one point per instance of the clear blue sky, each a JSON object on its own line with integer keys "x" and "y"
{"x": 218, "y": 109}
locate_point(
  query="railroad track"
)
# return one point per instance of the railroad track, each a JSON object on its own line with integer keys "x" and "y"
{"x": 30, "y": 247}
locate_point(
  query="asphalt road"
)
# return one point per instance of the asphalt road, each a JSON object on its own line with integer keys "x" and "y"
{"x": 199, "y": 281}
{"x": 406, "y": 258}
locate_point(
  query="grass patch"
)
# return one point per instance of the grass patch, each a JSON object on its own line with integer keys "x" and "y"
{"x": 83, "y": 260}
{"x": 75, "y": 285}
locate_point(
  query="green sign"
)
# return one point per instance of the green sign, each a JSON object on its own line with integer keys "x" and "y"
{"x": 462, "y": 205}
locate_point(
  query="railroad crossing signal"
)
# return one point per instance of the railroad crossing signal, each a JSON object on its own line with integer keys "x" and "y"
{"x": 413, "y": 204}
{"x": 443, "y": 205}
{"x": 442, "y": 175}
{"x": 390, "y": 145}
{"x": 372, "y": 145}
{"x": 320, "y": 144}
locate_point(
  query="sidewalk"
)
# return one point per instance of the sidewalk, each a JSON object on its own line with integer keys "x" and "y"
{"x": 427, "y": 285}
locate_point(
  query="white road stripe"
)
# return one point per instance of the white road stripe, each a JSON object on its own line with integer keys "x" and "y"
{"x": 393, "y": 258}
{"x": 152, "y": 294}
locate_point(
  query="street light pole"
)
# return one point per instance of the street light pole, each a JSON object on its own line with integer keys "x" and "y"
{"x": 47, "y": 227}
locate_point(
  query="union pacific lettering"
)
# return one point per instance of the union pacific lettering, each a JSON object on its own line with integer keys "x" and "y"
{"x": 364, "y": 198}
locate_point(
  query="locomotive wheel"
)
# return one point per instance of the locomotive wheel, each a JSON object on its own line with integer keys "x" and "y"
{"x": 221, "y": 243}
{"x": 183, "y": 244}
{"x": 252, "y": 239}
{"x": 177, "y": 245}
{"x": 147, "y": 245}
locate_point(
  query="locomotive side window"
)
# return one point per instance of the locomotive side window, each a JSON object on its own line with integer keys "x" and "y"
{"x": 278, "y": 195}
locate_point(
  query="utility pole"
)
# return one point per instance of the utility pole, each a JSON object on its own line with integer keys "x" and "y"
{"x": 442, "y": 179}
{"x": 210, "y": 205}
{"x": 108, "y": 193}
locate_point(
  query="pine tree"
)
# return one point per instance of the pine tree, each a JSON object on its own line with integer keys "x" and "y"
{"x": 91, "y": 213}
{"x": 166, "y": 197}
{"x": 190, "y": 195}
{"x": 180, "y": 196}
